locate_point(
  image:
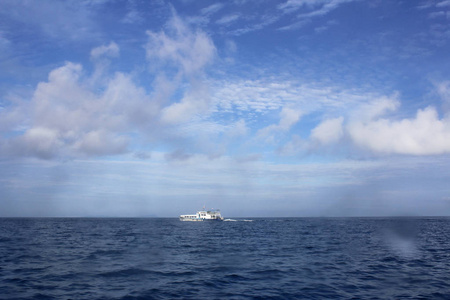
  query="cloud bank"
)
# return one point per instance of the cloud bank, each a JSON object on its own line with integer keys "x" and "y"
{"x": 77, "y": 113}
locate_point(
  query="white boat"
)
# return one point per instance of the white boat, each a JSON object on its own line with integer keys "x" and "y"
{"x": 203, "y": 215}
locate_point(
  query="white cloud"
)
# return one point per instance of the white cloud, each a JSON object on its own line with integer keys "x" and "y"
{"x": 437, "y": 14}
{"x": 198, "y": 20}
{"x": 425, "y": 134}
{"x": 443, "y": 90}
{"x": 213, "y": 8}
{"x": 133, "y": 16}
{"x": 14, "y": 116}
{"x": 329, "y": 131}
{"x": 101, "y": 142}
{"x": 111, "y": 50}
{"x": 67, "y": 118}
{"x": 374, "y": 127}
{"x": 375, "y": 108}
{"x": 264, "y": 21}
{"x": 238, "y": 129}
{"x": 40, "y": 141}
{"x": 326, "y": 8}
{"x": 71, "y": 117}
{"x": 231, "y": 46}
{"x": 188, "y": 51}
{"x": 296, "y": 25}
{"x": 443, "y": 3}
{"x": 325, "y": 27}
{"x": 319, "y": 7}
{"x": 291, "y": 5}
{"x": 195, "y": 101}
{"x": 288, "y": 118}
{"x": 76, "y": 114}
{"x": 227, "y": 19}
{"x": 270, "y": 94}
{"x": 309, "y": 9}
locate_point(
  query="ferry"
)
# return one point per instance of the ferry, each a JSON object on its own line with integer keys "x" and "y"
{"x": 203, "y": 215}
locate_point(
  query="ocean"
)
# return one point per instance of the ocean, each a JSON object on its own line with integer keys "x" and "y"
{"x": 288, "y": 258}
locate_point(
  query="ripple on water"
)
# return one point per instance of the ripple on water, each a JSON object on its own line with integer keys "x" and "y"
{"x": 300, "y": 258}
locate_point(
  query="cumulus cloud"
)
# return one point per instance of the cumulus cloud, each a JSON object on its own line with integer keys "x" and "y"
{"x": 68, "y": 117}
{"x": 111, "y": 50}
{"x": 187, "y": 52}
{"x": 425, "y": 134}
{"x": 75, "y": 113}
{"x": 375, "y": 127}
{"x": 370, "y": 127}
{"x": 39, "y": 141}
{"x": 288, "y": 118}
{"x": 329, "y": 131}
{"x": 101, "y": 142}
{"x": 375, "y": 108}
{"x": 196, "y": 100}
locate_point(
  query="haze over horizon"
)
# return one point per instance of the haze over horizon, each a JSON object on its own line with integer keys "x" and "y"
{"x": 259, "y": 108}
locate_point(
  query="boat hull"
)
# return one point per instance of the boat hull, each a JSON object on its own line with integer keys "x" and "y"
{"x": 200, "y": 220}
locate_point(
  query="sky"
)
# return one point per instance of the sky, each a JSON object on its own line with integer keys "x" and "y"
{"x": 290, "y": 108}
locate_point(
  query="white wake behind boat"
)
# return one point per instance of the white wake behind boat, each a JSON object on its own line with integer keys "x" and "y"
{"x": 203, "y": 215}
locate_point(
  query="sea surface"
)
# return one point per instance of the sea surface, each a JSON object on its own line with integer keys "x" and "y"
{"x": 298, "y": 258}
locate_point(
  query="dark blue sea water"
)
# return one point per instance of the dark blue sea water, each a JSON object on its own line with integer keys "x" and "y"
{"x": 303, "y": 258}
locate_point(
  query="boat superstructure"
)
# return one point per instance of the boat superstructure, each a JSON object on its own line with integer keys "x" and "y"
{"x": 203, "y": 215}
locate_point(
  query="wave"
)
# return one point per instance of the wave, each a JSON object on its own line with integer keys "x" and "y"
{"x": 298, "y": 258}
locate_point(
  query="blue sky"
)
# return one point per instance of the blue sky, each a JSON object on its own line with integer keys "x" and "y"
{"x": 260, "y": 108}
